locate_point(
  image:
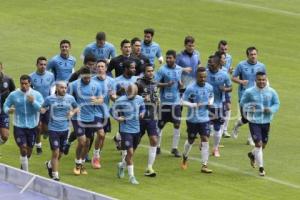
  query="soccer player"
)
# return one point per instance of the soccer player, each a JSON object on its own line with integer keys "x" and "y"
{"x": 117, "y": 63}
{"x": 226, "y": 66}
{"x": 61, "y": 108}
{"x": 244, "y": 75}
{"x": 128, "y": 110}
{"x": 62, "y": 65}
{"x": 25, "y": 103}
{"x": 108, "y": 91}
{"x": 169, "y": 80}
{"x": 90, "y": 62}
{"x": 101, "y": 49}
{"x": 151, "y": 49}
{"x": 147, "y": 88}
{"x": 122, "y": 82}
{"x": 87, "y": 95}
{"x": 221, "y": 83}
{"x": 189, "y": 60}
{"x": 259, "y": 104}
{"x": 7, "y": 85}
{"x": 198, "y": 97}
{"x": 136, "y": 45}
{"x": 42, "y": 81}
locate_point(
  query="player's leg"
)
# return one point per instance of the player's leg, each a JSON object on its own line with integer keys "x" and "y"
{"x": 176, "y": 115}
{"x": 129, "y": 158}
{"x": 217, "y": 122}
{"x": 204, "y": 135}
{"x": 151, "y": 126}
{"x": 192, "y": 134}
{"x": 71, "y": 139}
{"x": 80, "y": 133}
{"x": 227, "y": 108}
{"x": 4, "y": 128}
{"x": 99, "y": 143}
{"x": 163, "y": 118}
{"x": 239, "y": 123}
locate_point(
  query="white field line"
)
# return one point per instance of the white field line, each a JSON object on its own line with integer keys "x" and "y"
{"x": 271, "y": 10}
{"x": 234, "y": 169}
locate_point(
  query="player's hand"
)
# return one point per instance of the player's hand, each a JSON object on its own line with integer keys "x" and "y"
{"x": 170, "y": 83}
{"x": 96, "y": 100}
{"x": 223, "y": 88}
{"x": 11, "y": 110}
{"x": 199, "y": 105}
{"x": 160, "y": 60}
{"x": 70, "y": 114}
{"x": 30, "y": 98}
{"x": 187, "y": 70}
{"x": 244, "y": 82}
{"x": 230, "y": 70}
{"x": 43, "y": 110}
{"x": 121, "y": 119}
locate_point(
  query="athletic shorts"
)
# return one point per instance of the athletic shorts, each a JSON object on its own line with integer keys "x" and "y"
{"x": 217, "y": 116}
{"x": 169, "y": 113}
{"x": 130, "y": 140}
{"x": 103, "y": 123}
{"x": 148, "y": 125}
{"x": 25, "y": 136}
{"x": 83, "y": 128}
{"x": 4, "y": 120}
{"x": 193, "y": 129}
{"x": 58, "y": 139}
{"x": 259, "y": 132}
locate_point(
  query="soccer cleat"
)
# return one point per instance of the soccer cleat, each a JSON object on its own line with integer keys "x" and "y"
{"x": 158, "y": 151}
{"x": 250, "y": 142}
{"x": 76, "y": 169}
{"x": 205, "y": 169}
{"x": 216, "y": 152}
{"x": 87, "y": 158}
{"x": 39, "y": 150}
{"x": 252, "y": 159}
{"x": 49, "y": 169}
{"x": 96, "y": 163}
{"x": 226, "y": 134}
{"x": 184, "y": 164}
{"x": 235, "y": 132}
{"x": 56, "y": 179}
{"x": 262, "y": 171}
{"x": 83, "y": 170}
{"x": 133, "y": 180}
{"x": 150, "y": 172}
{"x": 121, "y": 170}
{"x": 117, "y": 143}
{"x": 176, "y": 153}
{"x": 66, "y": 149}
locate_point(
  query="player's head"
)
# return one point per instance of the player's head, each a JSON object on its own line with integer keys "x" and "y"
{"x": 214, "y": 63}
{"x": 65, "y": 46}
{"x": 201, "y": 75}
{"x": 85, "y": 74}
{"x": 101, "y": 67}
{"x": 251, "y": 53}
{"x": 41, "y": 64}
{"x": 261, "y": 80}
{"x": 222, "y": 57}
{"x": 125, "y": 47}
{"x": 61, "y": 88}
{"x": 25, "y": 82}
{"x": 136, "y": 45}
{"x": 100, "y": 39}
{"x": 170, "y": 57}
{"x": 148, "y": 35}
{"x": 132, "y": 91}
{"x": 129, "y": 67}
{"x": 223, "y": 46}
{"x": 189, "y": 44}
{"x": 90, "y": 61}
{"x": 149, "y": 71}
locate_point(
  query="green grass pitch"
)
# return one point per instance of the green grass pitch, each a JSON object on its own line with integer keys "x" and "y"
{"x": 29, "y": 29}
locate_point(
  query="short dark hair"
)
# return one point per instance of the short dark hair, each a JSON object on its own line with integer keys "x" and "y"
{"x": 150, "y": 31}
{"x": 201, "y": 69}
{"x": 134, "y": 40}
{"x": 189, "y": 39}
{"x": 25, "y": 77}
{"x": 171, "y": 53}
{"x": 89, "y": 58}
{"x": 40, "y": 58}
{"x": 219, "y": 54}
{"x": 85, "y": 70}
{"x": 125, "y": 41}
{"x": 127, "y": 64}
{"x": 100, "y": 36}
{"x": 261, "y": 74}
{"x": 65, "y": 42}
{"x": 103, "y": 61}
{"x": 147, "y": 65}
{"x": 249, "y": 49}
{"x": 222, "y": 42}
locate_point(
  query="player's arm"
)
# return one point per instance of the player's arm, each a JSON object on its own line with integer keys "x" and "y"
{"x": 275, "y": 103}
{"x": 142, "y": 110}
{"x": 36, "y": 101}
{"x": 159, "y": 55}
{"x": 115, "y": 112}
{"x": 45, "y": 106}
{"x": 8, "y": 106}
{"x": 235, "y": 77}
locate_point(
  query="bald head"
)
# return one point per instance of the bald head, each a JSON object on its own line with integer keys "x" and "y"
{"x": 132, "y": 91}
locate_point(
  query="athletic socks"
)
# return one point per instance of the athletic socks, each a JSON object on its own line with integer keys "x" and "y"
{"x": 217, "y": 138}
{"x": 24, "y": 163}
{"x": 151, "y": 156}
{"x": 97, "y": 153}
{"x": 258, "y": 154}
{"x": 187, "y": 148}
{"x": 130, "y": 170}
{"x": 204, "y": 152}
{"x": 159, "y": 136}
{"x": 176, "y": 138}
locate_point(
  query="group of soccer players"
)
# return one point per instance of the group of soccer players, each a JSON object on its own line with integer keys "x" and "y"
{"x": 140, "y": 98}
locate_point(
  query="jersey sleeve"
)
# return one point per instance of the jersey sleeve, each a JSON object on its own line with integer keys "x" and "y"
{"x": 158, "y": 52}
{"x": 275, "y": 102}
{"x": 8, "y": 103}
{"x": 158, "y": 75}
{"x": 113, "y": 52}
{"x": 237, "y": 71}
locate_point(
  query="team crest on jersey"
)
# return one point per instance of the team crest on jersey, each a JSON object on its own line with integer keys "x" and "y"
{"x": 5, "y": 85}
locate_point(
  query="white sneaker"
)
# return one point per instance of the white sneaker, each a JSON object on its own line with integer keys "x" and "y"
{"x": 226, "y": 134}
{"x": 250, "y": 142}
{"x": 133, "y": 180}
{"x": 235, "y": 131}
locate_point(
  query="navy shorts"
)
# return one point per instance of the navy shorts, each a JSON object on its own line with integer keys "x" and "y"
{"x": 83, "y": 128}
{"x": 103, "y": 123}
{"x": 58, "y": 139}
{"x": 193, "y": 129}
{"x": 169, "y": 113}
{"x": 4, "y": 120}
{"x": 217, "y": 116}
{"x": 130, "y": 140}
{"x": 25, "y": 136}
{"x": 148, "y": 125}
{"x": 259, "y": 132}
{"x": 44, "y": 118}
